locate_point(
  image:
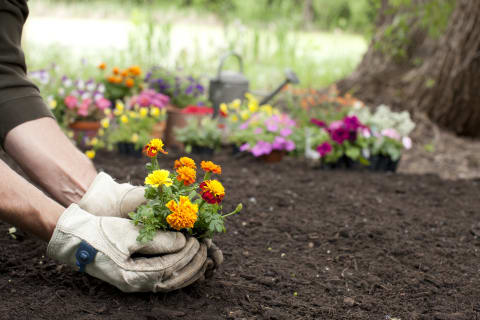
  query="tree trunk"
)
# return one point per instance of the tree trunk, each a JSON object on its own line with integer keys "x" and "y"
{"x": 308, "y": 13}
{"x": 441, "y": 77}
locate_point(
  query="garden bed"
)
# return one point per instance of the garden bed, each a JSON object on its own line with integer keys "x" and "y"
{"x": 310, "y": 244}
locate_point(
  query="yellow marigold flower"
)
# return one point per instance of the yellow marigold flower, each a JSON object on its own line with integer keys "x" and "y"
{"x": 70, "y": 134}
{"x": 52, "y": 104}
{"x": 93, "y": 142}
{"x": 249, "y": 96}
{"x": 185, "y": 161}
{"x": 267, "y": 109}
{"x": 154, "y": 112}
{"x": 119, "y": 106}
{"x": 134, "y": 138}
{"x": 224, "y": 109}
{"x": 101, "y": 132}
{"x": 107, "y": 112}
{"x": 236, "y": 104}
{"x": 186, "y": 175}
{"x": 105, "y": 123}
{"x": 90, "y": 154}
{"x": 158, "y": 178}
{"x": 245, "y": 115}
{"x": 212, "y": 191}
{"x": 184, "y": 213}
{"x": 209, "y": 166}
{"x": 132, "y": 114}
{"x": 124, "y": 119}
{"x": 153, "y": 147}
{"x": 143, "y": 112}
{"x": 234, "y": 118}
{"x": 253, "y": 106}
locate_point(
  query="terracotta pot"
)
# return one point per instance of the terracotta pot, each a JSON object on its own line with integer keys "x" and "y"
{"x": 274, "y": 156}
{"x": 175, "y": 119}
{"x": 158, "y": 130}
{"x": 83, "y": 130}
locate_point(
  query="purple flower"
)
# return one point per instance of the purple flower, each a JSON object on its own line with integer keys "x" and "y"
{"x": 340, "y": 134}
{"x": 261, "y": 148}
{"x": 279, "y": 143}
{"x": 189, "y": 90}
{"x": 336, "y": 125}
{"x": 324, "y": 149}
{"x": 319, "y": 123}
{"x": 285, "y": 132}
{"x": 272, "y": 127}
{"x": 289, "y": 145}
{"x": 244, "y": 147}
{"x": 352, "y": 123}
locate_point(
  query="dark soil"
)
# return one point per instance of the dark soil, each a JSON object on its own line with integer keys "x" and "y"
{"x": 310, "y": 244}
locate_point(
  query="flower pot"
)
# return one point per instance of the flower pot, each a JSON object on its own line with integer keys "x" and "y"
{"x": 128, "y": 148}
{"x": 158, "y": 130}
{"x": 343, "y": 163}
{"x": 83, "y": 130}
{"x": 383, "y": 163}
{"x": 175, "y": 119}
{"x": 274, "y": 156}
{"x": 206, "y": 151}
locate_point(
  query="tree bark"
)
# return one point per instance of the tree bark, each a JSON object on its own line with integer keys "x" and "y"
{"x": 441, "y": 77}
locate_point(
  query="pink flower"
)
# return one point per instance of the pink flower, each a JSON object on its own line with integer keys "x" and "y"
{"x": 71, "y": 102}
{"x": 324, "y": 149}
{"x": 285, "y": 132}
{"x": 102, "y": 103}
{"x": 258, "y": 131}
{"x": 391, "y": 133}
{"x": 244, "y": 147}
{"x": 335, "y": 125}
{"x": 407, "y": 142}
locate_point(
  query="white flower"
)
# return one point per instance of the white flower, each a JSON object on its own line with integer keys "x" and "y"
{"x": 407, "y": 142}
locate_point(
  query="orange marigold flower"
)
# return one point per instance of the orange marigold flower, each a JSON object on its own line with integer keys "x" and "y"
{"x": 112, "y": 79}
{"x": 102, "y": 66}
{"x": 124, "y": 73}
{"x": 153, "y": 147}
{"x": 212, "y": 191}
{"x": 129, "y": 82}
{"x": 184, "y": 213}
{"x": 135, "y": 70}
{"x": 209, "y": 166}
{"x": 116, "y": 71}
{"x": 187, "y": 175}
{"x": 185, "y": 162}
{"x": 117, "y": 79}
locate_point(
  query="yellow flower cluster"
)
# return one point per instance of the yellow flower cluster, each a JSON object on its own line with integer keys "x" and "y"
{"x": 184, "y": 213}
{"x": 237, "y": 111}
{"x": 158, "y": 178}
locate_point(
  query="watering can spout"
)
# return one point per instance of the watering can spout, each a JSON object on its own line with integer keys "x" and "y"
{"x": 290, "y": 77}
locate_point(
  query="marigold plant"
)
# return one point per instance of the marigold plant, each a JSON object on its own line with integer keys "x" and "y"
{"x": 176, "y": 201}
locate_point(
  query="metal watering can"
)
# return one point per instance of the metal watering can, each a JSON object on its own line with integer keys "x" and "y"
{"x": 230, "y": 85}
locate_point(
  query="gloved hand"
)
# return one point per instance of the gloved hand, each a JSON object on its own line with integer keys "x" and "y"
{"x": 107, "y": 197}
{"x": 78, "y": 236}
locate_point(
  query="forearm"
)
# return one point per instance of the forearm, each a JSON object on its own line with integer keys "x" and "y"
{"x": 25, "y": 206}
{"x": 50, "y": 159}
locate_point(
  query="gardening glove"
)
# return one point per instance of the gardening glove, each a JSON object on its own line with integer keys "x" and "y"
{"x": 107, "y": 197}
{"x": 215, "y": 255}
{"x": 104, "y": 247}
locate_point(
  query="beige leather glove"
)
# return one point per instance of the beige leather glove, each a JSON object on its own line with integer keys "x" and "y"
{"x": 107, "y": 197}
{"x": 173, "y": 262}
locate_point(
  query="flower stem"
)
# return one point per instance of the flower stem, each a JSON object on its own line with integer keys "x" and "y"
{"x": 237, "y": 210}
{"x": 207, "y": 176}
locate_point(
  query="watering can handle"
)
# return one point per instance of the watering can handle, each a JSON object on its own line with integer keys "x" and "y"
{"x": 227, "y": 55}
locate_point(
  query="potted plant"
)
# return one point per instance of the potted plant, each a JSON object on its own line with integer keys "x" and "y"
{"x": 390, "y": 135}
{"x": 200, "y": 135}
{"x": 183, "y": 91}
{"x": 149, "y": 98}
{"x": 129, "y": 129}
{"x": 345, "y": 145}
{"x": 121, "y": 83}
{"x": 265, "y": 136}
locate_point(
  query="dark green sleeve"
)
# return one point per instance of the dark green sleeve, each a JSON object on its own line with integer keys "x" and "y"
{"x": 20, "y": 99}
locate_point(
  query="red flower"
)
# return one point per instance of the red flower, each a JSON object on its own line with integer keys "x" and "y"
{"x": 212, "y": 191}
{"x": 197, "y": 110}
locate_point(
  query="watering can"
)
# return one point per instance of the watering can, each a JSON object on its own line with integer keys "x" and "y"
{"x": 230, "y": 85}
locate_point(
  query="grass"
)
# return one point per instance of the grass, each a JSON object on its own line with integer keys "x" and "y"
{"x": 318, "y": 58}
